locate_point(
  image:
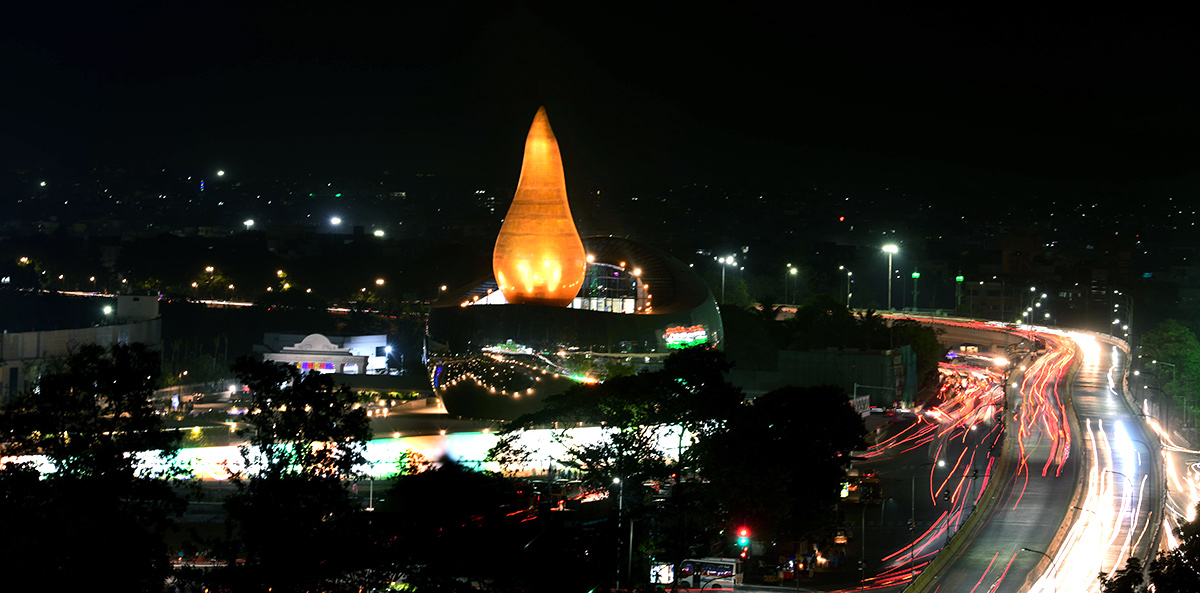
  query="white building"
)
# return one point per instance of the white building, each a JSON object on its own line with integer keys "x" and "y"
{"x": 350, "y": 355}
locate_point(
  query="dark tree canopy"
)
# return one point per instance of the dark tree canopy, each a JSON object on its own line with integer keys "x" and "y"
{"x": 293, "y": 522}
{"x": 776, "y": 462}
{"x": 89, "y": 411}
{"x": 1177, "y": 570}
{"x": 779, "y": 461}
{"x": 96, "y": 517}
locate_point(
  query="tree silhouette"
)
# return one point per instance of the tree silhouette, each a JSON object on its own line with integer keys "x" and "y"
{"x": 98, "y": 515}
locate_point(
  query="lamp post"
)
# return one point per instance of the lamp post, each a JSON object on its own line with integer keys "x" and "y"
{"x": 862, "y": 566}
{"x": 848, "y": 275}
{"x": 790, "y": 272}
{"x": 1186, "y": 403}
{"x": 890, "y": 250}
{"x": 620, "y": 509}
{"x": 912, "y": 520}
{"x": 725, "y": 261}
{"x": 1100, "y": 557}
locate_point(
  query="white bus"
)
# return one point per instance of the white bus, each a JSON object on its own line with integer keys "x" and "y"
{"x": 710, "y": 574}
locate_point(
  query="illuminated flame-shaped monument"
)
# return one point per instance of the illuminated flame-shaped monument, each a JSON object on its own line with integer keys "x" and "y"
{"x": 539, "y": 258}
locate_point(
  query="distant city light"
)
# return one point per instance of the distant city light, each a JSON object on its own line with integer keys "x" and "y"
{"x": 43, "y": 184}
{"x": 378, "y": 233}
{"x": 379, "y": 281}
{"x": 220, "y": 173}
{"x": 335, "y": 220}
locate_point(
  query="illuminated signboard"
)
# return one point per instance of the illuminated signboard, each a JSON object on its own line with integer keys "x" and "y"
{"x": 509, "y": 348}
{"x": 685, "y": 337}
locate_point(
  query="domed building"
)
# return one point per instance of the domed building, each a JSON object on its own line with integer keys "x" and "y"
{"x": 559, "y": 309}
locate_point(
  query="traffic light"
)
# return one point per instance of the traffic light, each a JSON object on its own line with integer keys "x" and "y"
{"x": 743, "y": 537}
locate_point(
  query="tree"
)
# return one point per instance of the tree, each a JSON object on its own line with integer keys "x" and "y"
{"x": 297, "y": 525}
{"x": 1125, "y": 580}
{"x": 99, "y": 514}
{"x": 778, "y": 463}
{"x": 925, "y": 343}
{"x": 460, "y": 509}
{"x": 1176, "y": 570}
{"x": 1177, "y": 353}
{"x": 690, "y": 391}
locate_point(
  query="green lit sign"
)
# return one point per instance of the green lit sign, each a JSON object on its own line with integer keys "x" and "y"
{"x": 679, "y": 337}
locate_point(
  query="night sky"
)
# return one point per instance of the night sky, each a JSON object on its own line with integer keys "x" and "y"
{"x": 668, "y": 95}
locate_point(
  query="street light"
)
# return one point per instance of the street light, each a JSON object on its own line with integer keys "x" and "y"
{"x": 1101, "y": 557}
{"x": 848, "y": 275}
{"x": 912, "y": 521}
{"x": 620, "y": 512}
{"x": 249, "y": 223}
{"x": 725, "y": 261}
{"x": 890, "y": 250}
{"x": 790, "y": 272}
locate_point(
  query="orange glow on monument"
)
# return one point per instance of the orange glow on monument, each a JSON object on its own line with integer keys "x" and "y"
{"x": 539, "y": 258}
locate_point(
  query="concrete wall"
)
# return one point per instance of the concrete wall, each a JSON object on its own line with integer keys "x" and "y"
{"x": 20, "y": 353}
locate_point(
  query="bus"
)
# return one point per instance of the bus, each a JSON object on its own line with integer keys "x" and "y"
{"x": 710, "y": 574}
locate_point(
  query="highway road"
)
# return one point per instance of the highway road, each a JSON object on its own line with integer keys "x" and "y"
{"x": 1080, "y": 489}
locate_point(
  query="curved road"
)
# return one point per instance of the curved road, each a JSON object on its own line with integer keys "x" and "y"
{"x": 1082, "y": 491}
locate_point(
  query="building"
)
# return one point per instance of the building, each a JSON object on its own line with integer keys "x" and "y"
{"x": 133, "y": 318}
{"x": 344, "y": 355}
{"x": 559, "y": 309}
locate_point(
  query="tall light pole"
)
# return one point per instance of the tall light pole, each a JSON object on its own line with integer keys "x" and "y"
{"x": 790, "y": 272}
{"x": 890, "y": 250}
{"x": 620, "y": 511}
{"x": 848, "y": 275}
{"x": 912, "y": 521}
{"x": 1101, "y": 521}
{"x": 725, "y": 261}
